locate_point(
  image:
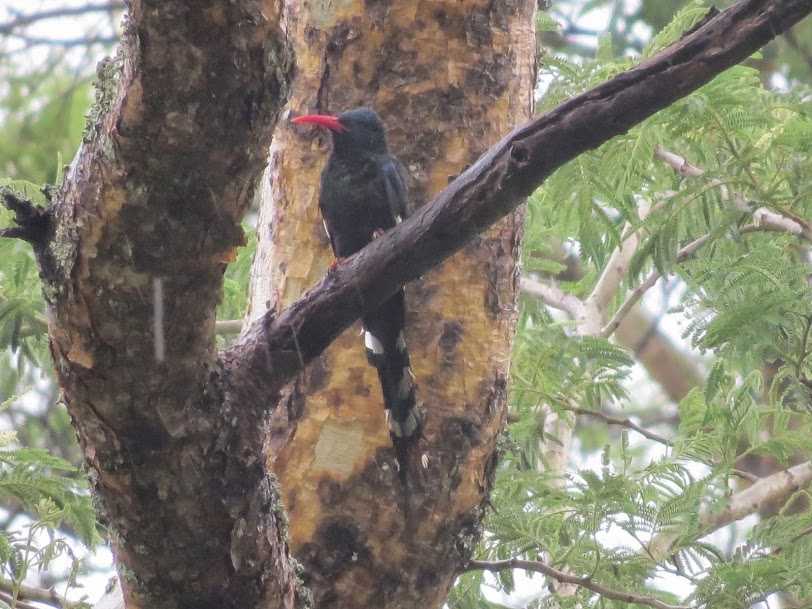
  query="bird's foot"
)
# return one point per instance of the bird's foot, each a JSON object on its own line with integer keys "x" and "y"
{"x": 336, "y": 263}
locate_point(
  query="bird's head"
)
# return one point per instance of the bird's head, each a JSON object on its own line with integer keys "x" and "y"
{"x": 355, "y": 132}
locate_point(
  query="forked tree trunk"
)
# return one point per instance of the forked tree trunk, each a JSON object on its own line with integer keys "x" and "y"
{"x": 448, "y": 78}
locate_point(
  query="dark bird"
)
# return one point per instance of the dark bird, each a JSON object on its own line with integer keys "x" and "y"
{"x": 363, "y": 194}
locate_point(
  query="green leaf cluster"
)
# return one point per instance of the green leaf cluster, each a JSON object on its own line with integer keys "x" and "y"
{"x": 742, "y": 298}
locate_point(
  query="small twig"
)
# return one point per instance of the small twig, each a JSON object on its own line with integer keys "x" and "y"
{"x": 18, "y": 603}
{"x": 677, "y": 163}
{"x": 745, "y": 475}
{"x": 622, "y": 422}
{"x": 761, "y": 216}
{"x": 613, "y": 273}
{"x": 32, "y": 221}
{"x": 566, "y": 578}
{"x": 683, "y": 254}
{"x": 40, "y": 595}
{"x": 82, "y": 41}
{"x": 632, "y": 299}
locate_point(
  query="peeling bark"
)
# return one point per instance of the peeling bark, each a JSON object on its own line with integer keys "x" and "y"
{"x": 142, "y": 230}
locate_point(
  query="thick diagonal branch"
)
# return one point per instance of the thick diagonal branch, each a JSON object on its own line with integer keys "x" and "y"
{"x": 275, "y": 347}
{"x": 27, "y": 19}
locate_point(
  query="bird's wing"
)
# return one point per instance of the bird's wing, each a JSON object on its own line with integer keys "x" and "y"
{"x": 394, "y": 182}
{"x": 328, "y": 207}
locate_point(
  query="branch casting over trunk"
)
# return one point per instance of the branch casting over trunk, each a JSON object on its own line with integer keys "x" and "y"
{"x": 275, "y": 348}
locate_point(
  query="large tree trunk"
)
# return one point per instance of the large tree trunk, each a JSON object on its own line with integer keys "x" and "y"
{"x": 132, "y": 262}
{"x": 448, "y": 78}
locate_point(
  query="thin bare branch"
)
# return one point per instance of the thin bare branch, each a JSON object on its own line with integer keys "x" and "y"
{"x": 32, "y": 41}
{"x": 64, "y": 11}
{"x": 677, "y": 163}
{"x": 632, "y": 299}
{"x": 613, "y": 273}
{"x": 775, "y": 488}
{"x": 745, "y": 475}
{"x": 622, "y": 422}
{"x": 567, "y": 578}
{"x": 683, "y": 254}
{"x": 18, "y": 603}
{"x": 40, "y": 595}
{"x": 761, "y": 216}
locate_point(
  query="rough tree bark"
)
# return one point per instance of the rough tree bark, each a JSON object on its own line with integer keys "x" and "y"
{"x": 448, "y": 78}
{"x": 132, "y": 252}
{"x": 132, "y": 262}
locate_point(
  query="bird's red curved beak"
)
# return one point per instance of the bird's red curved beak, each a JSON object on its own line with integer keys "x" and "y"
{"x": 322, "y": 120}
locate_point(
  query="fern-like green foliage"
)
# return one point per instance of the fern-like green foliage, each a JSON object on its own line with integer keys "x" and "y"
{"x": 22, "y": 324}
{"x": 745, "y": 303}
{"x": 55, "y": 495}
{"x": 235, "y": 295}
{"x": 43, "y": 119}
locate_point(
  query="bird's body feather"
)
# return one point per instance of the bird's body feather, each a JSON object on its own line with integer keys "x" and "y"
{"x": 363, "y": 193}
{"x": 360, "y": 198}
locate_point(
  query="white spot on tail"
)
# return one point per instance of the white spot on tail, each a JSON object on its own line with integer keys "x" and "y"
{"x": 398, "y": 219}
{"x": 327, "y": 232}
{"x": 372, "y": 343}
{"x": 405, "y": 385}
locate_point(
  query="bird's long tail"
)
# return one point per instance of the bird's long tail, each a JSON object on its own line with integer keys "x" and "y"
{"x": 386, "y": 350}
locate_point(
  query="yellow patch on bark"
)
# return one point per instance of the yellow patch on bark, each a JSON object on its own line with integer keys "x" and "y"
{"x": 338, "y": 448}
{"x": 448, "y": 77}
{"x": 79, "y": 356}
